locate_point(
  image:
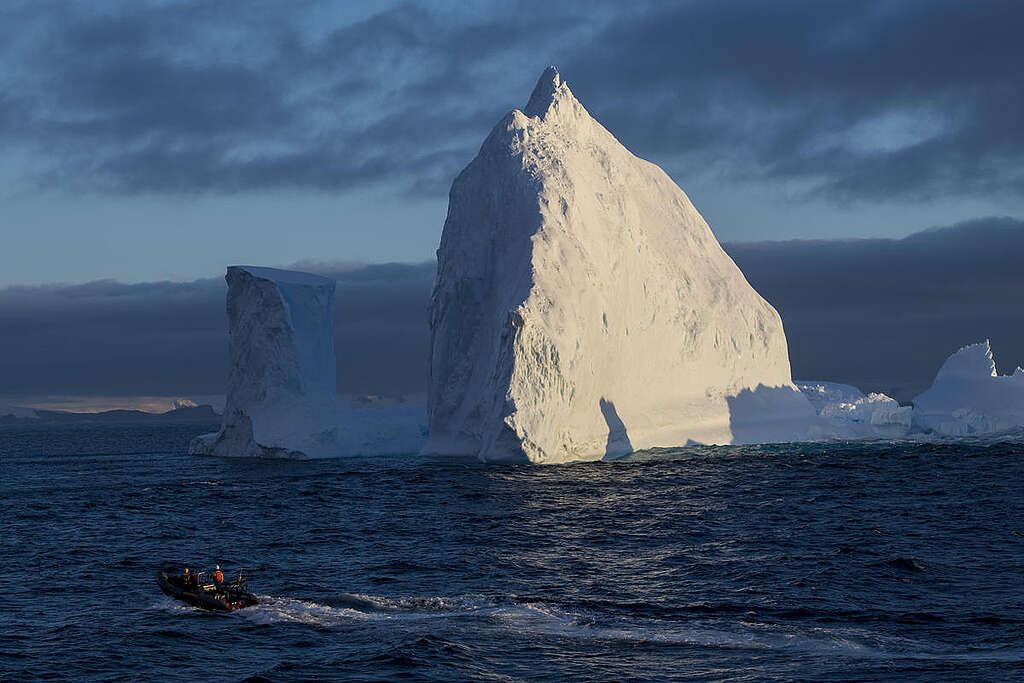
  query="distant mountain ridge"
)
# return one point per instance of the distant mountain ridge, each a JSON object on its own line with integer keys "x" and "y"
{"x": 188, "y": 414}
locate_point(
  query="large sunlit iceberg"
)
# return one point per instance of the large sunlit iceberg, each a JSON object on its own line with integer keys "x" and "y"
{"x": 584, "y": 309}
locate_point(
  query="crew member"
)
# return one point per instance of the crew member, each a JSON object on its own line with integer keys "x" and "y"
{"x": 218, "y": 577}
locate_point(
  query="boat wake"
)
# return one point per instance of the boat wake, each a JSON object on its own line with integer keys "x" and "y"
{"x": 532, "y": 619}
{"x": 346, "y": 608}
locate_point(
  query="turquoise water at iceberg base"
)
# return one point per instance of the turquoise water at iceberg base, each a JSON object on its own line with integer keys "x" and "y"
{"x": 896, "y": 561}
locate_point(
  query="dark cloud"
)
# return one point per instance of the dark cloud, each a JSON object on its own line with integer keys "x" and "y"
{"x": 862, "y": 100}
{"x": 381, "y": 333}
{"x": 868, "y": 100}
{"x": 880, "y": 314}
{"x": 110, "y": 338}
{"x": 167, "y": 339}
{"x": 883, "y": 314}
{"x": 186, "y": 97}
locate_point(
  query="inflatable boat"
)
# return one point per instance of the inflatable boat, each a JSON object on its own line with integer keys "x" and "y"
{"x": 230, "y": 596}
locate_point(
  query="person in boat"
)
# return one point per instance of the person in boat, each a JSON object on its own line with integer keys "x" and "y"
{"x": 218, "y": 578}
{"x": 189, "y": 579}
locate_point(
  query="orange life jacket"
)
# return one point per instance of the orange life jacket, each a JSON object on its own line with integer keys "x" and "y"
{"x": 218, "y": 576}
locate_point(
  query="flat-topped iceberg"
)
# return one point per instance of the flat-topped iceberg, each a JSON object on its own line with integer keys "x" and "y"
{"x": 282, "y": 389}
{"x": 583, "y": 308}
{"x": 969, "y": 397}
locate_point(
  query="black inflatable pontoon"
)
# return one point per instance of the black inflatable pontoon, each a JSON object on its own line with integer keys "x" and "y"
{"x": 229, "y": 597}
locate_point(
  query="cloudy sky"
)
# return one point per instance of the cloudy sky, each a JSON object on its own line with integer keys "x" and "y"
{"x": 157, "y": 141}
{"x": 152, "y": 140}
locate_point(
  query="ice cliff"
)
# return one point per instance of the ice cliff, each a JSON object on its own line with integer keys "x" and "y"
{"x": 969, "y": 397}
{"x": 583, "y": 308}
{"x": 281, "y": 396}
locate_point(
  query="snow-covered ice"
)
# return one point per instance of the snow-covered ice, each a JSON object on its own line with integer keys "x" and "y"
{"x": 584, "y": 309}
{"x": 848, "y": 413}
{"x": 969, "y": 397}
{"x": 281, "y": 398}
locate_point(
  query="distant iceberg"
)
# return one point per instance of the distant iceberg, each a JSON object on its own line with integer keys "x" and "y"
{"x": 969, "y": 397}
{"x": 847, "y": 413}
{"x": 281, "y": 398}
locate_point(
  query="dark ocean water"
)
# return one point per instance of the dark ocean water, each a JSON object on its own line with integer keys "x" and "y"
{"x": 848, "y": 561}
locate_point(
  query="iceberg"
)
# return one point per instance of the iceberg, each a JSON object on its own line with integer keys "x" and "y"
{"x": 583, "y": 309}
{"x": 848, "y": 413}
{"x": 969, "y": 397}
{"x": 282, "y": 389}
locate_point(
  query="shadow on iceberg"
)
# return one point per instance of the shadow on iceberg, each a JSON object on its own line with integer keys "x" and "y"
{"x": 618, "y": 445}
{"x": 771, "y": 415}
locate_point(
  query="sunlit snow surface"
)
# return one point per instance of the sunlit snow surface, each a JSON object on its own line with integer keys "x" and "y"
{"x": 584, "y": 309}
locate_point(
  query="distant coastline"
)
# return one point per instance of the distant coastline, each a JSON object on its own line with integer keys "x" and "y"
{"x": 203, "y": 414}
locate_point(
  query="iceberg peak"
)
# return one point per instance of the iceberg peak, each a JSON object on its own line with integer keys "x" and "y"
{"x": 549, "y": 89}
{"x": 973, "y": 360}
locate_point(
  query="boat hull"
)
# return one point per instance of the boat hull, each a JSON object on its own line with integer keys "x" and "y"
{"x": 227, "y": 600}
